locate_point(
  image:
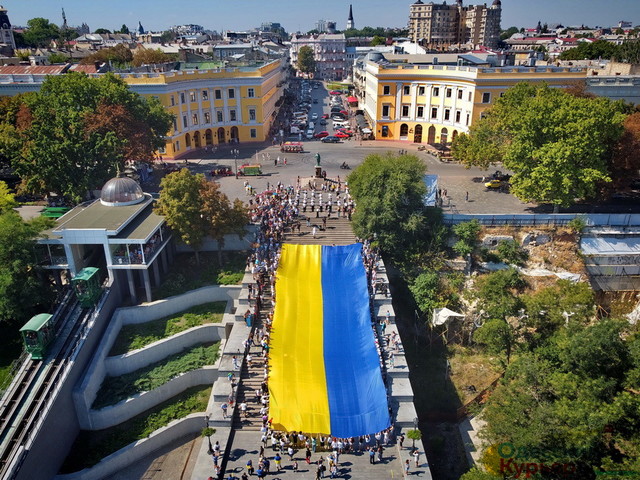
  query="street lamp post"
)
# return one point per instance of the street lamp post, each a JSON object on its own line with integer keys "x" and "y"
{"x": 235, "y": 152}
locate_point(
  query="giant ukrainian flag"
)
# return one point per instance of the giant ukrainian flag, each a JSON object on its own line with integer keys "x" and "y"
{"x": 324, "y": 370}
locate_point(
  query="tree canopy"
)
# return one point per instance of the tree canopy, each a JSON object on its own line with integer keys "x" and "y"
{"x": 388, "y": 190}
{"x": 40, "y": 32}
{"x": 22, "y": 294}
{"x": 306, "y": 60}
{"x": 149, "y": 56}
{"x": 590, "y": 51}
{"x": 195, "y": 208}
{"x": 557, "y": 145}
{"x": 119, "y": 55}
{"x": 72, "y": 135}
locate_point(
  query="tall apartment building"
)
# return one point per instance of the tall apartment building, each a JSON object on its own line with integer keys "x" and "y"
{"x": 441, "y": 25}
{"x": 329, "y": 51}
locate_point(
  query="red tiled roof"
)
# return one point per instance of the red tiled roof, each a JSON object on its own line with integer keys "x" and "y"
{"x": 32, "y": 70}
{"x": 84, "y": 68}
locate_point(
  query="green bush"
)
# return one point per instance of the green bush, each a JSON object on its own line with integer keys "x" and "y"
{"x": 92, "y": 446}
{"x": 133, "y": 337}
{"x": 510, "y": 252}
{"x": 116, "y": 389}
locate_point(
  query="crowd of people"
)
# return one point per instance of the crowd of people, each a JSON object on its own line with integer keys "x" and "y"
{"x": 277, "y": 211}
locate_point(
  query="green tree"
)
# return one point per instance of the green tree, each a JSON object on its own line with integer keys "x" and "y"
{"x": 426, "y": 291}
{"x": 628, "y": 52}
{"x": 590, "y": 51}
{"x": 556, "y": 144}
{"x": 413, "y": 435}
{"x": 467, "y": 233}
{"x": 561, "y": 402}
{"x": 508, "y": 33}
{"x": 58, "y": 58}
{"x": 22, "y": 293}
{"x": 306, "y": 60}
{"x": 168, "y": 36}
{"x": 497, "y": 336}
{"x": 389, "y": 191}
{"x": 498, "y": 293}
{"x": 119, "y": 56}
{"x": 150, "y": 56}
{"x": 180, "y": 203}
{"x": 378, "y": 40}
{"x": 101, "y": 31}
{"x": 7, "y": 199}
{"x": 40, "y": 33}
{"x": 75, "y": 131}
{"x": 208, "y": 432}
{"x": 124, "y": 29}
{"x": 221, "y": 216}
{"x": 510, "y": 252}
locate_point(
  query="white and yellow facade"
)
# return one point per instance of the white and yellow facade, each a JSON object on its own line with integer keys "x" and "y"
{"x": 214, "y": 107}
{"x": 435, "y": 103}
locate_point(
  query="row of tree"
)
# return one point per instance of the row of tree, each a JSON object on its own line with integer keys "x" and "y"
{"x": 561, "y": 146}
{"x": 627, "y": 52}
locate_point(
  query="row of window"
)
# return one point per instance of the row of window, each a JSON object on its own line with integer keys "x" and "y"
{"x": 420, "y": 113}
{"x": 193, "y": 95}
{"x": 219, "y": 117}
{"x": 435, "y": 92}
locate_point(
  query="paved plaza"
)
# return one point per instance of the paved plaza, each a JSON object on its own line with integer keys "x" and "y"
{"x": 454, "y": 178}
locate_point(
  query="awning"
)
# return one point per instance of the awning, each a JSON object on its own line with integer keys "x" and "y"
{"x": 352, "y": 100}
{"x": 366, "y": 130}
{"x": 443, "y": 315}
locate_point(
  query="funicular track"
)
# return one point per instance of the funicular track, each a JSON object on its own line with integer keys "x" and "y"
{"x": 30, "y": 396}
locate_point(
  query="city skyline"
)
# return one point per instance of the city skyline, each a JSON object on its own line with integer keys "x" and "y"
{"x": 157, "y": 15}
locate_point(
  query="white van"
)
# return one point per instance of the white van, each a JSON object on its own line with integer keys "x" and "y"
{"x": 312, "y": 126}
{"x": 338, "y": 124}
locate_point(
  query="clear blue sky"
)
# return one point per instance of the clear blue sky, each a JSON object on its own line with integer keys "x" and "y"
{"x": 302, "y": 14}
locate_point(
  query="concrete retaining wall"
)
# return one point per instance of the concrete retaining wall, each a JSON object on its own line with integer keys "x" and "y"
{"x": 132, "y": 361}
{"x": 123, "y": 411}
{"x": 85, "y": 392}
{"x": 231, "y": 242}
{"x": 190, "y": 425}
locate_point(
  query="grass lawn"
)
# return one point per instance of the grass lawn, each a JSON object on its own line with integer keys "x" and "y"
{"x": 115, "y": 389}
{"x": 471, "y": 367}
{"x": 133, "y": 337}
{"x": 185, "y": 274}
{"x": 92, "y": 446}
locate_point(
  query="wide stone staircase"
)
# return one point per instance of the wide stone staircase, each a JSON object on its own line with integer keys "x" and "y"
{"x": 252, "y": 375}
{"x": 337, "y": 232}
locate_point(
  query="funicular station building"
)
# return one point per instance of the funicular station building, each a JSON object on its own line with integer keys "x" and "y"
{"x": 118, "y": 232}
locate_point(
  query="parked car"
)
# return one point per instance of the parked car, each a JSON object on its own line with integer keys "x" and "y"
{"x": 314, "y": 116}
{"x": 334, "y": 92}
{"x": 340, "y": 135}
{"x": 323, "y": 122}
{"x": 326, "y": 115}
{"x": 496, "y": 184}
{"x": 321, "y": 134}
{"x": 331, "y": 139}
{"x": 346, "y": 131}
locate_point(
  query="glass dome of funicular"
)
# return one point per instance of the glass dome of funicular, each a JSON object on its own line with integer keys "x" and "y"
{"x": 120, "y": 191}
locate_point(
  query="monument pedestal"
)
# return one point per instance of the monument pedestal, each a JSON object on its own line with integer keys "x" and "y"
{"x": 318, "y": 172}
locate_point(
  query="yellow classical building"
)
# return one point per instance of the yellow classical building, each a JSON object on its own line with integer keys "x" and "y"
{"x": 215, "y": 106}
{"x": 433, "y": 103}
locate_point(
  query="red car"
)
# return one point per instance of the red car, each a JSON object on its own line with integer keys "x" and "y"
{"x": 345, "y": 131}
{"x": 344, "y": 112}
{"x": 340, "y": 135}
{"x": 321, "y": 135}
{"x": 334, "y": 92}
{"x": 326, "y": 115}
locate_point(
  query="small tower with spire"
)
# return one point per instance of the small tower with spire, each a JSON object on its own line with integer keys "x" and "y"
{"x": 6, "y": 32}
{"x": 140, "y": 28}
{"x": 350, "y": 23}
